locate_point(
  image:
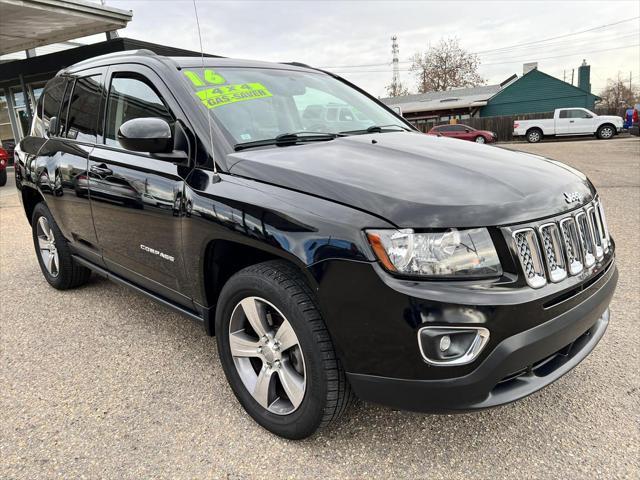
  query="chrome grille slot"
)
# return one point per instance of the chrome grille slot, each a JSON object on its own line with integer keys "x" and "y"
{"x": 552, "y": 250}
{"x": 549, "y": 251}
{"x": 530, "y": 257}
{"x": 597, "y": 237}
{"x": 605, "y": 229}
{"x": 571, "y": 245}
{"x": 586, "y": 239}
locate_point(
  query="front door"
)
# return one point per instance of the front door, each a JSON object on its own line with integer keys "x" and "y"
{"x": 581, "y": 122}
{"x": 135, "y": 198}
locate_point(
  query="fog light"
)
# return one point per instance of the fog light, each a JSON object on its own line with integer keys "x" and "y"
{"x": 445, "y": 343}
{"x": 451, "y": 346}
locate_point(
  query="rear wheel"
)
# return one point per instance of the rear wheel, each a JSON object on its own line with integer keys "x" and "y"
{"x": 605, "y": 132}
{"x": 480, "y": 139}
{"x": 276, "y": 352}
{"x": 534, "y": 135}
{"x": 54, "y": 255}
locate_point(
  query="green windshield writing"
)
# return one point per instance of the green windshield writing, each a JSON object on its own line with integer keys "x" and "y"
{"x": 226, "y": 94}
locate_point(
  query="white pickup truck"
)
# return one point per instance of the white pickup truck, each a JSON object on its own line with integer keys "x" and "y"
{"x": 569, "y": 121}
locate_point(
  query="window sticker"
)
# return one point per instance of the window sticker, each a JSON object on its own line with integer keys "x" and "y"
{"x": 210, "y": 76}
{"x": 226, "y": 94}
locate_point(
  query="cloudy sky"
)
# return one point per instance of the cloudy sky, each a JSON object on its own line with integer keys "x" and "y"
{"x": 353, "y": 37}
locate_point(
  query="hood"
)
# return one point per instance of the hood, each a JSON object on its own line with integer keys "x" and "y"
{"x": 416, "y": 180}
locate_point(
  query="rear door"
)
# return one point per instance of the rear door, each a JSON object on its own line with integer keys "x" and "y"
{"x": 562, "y": 122}
{"x": 136, "y": 198}
{"x": 64, "y": 157}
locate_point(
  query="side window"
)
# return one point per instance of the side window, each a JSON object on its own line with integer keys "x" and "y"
{"x": 84, "y": 109}
{"x": 64, "y": 109}
{"x": 458, "y": 128}
{"x": 51, "y": 101}
{"x": 564, "y": 113}
{"x": 131, "y": 96}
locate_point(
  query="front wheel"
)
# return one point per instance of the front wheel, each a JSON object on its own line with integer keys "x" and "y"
{"x": 276, "y": 351}
{"x": 3, "y": 177}
{"x": 606, "y": 132}
{"x": 480, "y": 139}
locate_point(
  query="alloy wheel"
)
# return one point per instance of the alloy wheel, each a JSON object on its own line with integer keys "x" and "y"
{"x": 267, "y": 355}
{"x": 480, "y": 140}
{"x": 606, "y": 132}
{"x": 47, "y": 247}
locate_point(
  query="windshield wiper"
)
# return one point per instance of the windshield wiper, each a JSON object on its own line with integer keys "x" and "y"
{"x": 378, "y": 129}
{"x": 289, "y": 139}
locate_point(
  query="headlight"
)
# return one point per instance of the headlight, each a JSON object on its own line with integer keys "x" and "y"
{"x": 443, "y": 253}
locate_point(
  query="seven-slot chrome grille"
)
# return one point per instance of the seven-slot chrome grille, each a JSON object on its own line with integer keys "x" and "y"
{"x": 564, "y": 246}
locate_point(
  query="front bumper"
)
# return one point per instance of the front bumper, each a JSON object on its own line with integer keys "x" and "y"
{"x": 534, "y": 340}
{"x": 518, "y": 367}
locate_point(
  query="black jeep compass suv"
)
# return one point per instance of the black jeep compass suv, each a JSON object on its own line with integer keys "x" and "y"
{"x": 333, "y": 249}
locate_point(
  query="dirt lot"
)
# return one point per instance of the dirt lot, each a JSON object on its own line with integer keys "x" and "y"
{"x": 101, "y": 382}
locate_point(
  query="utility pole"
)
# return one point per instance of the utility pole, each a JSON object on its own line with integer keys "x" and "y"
{"x": 564, "y": 75}
{"x": 395, "y": 51}
{"x": 572, "y": 72}
{"x": 630, "y": 73}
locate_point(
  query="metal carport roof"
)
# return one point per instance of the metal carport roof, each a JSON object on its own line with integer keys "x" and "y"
{"x": 26, "y": 24}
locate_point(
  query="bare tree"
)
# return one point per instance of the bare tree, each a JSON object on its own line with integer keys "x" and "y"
{"x": 618, "y": 94}
{"x": 446, "y": 66}
{"x": 396, "y": 90}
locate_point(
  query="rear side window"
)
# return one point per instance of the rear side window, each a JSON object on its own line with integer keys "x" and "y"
{"x": 84, "y": 109}
{"x": 130, "y": 97}
{"x": 51, "y": 101}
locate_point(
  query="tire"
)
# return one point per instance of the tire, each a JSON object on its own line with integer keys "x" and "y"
{"x": 62, "y": 272}
{"x": 606, "y": 132}
{"x": 322, "y": 393}
{"x": 3, "y": 177}
{"x": 480, "y": 139}
{"x": 534, "y": 135}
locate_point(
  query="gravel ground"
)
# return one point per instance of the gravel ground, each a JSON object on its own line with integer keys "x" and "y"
{"x": 102, "y": 383}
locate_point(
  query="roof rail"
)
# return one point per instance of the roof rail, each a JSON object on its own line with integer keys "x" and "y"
{"x": 298, "y": 64}
{"x": 141, "y": 51}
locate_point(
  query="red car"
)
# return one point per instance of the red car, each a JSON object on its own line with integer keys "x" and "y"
{"x": 464, "y": 132}
{"x": 4, "y": 161}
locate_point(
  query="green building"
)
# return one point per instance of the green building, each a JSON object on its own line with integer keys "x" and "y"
{"x": 536, "y": 92}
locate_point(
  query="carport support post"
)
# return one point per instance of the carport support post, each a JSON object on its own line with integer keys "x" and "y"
{"x": 27, "y": 103}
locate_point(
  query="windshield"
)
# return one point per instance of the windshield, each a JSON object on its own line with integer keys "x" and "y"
{"x": 254, "y": 104}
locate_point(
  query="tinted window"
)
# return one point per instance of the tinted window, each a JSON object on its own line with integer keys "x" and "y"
{"x": 564, "y": 114}
{"x": 64, "y": 108}
{"x": 54, "y": 92}
{"x": 84, "y": 109}
{"x": 458, "y": 128}
{"x": 132, "y": 97}
{"x": 445, "y": 128}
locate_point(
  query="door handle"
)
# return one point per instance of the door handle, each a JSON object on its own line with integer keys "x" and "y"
{"x": 101, "y": 169}
{"x": 571, "y": 121}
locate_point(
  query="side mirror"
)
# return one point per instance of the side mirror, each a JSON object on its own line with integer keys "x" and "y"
{"x": 53, "y": 126}
{"x": 148, "y": 134}
{"x": 467, "y": 130}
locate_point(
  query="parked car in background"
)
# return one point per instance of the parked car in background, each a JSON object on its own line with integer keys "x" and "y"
{"x": 4, "y": 161}
{"x": 464, "y": 132}
{"x": 567, "y": 122}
